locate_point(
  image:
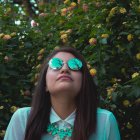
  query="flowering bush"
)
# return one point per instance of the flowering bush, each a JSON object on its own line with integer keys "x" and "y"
{"x": 106, "y": 33}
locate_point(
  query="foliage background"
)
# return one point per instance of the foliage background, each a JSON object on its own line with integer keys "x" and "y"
{"x": 107, "y": 33}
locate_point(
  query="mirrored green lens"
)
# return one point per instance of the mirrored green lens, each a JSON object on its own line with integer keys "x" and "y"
{"x": 75, "y": 64}
{"x": 56, "y": 63}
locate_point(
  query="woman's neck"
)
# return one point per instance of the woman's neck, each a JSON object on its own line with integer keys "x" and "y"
{"x": 63, "y": 108}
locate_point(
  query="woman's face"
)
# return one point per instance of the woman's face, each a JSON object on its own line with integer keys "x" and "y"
{"x": 63, "y": 82}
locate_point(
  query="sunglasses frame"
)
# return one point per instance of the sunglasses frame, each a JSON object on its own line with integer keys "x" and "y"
{"x": 76, "y": 60}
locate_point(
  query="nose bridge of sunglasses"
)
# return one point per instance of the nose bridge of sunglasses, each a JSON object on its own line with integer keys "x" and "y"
{"x": 65, "y": 65}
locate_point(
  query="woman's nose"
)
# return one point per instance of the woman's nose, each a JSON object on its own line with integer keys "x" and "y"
{"x": 64, "y": 68}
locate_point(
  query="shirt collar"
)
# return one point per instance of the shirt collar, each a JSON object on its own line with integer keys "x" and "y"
{"x": 55, "y": 118}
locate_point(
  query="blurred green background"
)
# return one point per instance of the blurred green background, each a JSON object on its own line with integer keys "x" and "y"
{"x": 107, "y": 33}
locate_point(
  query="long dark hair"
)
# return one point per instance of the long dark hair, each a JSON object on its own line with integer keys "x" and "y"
{"x": 86, "y": 104}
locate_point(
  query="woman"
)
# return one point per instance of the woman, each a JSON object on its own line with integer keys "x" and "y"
{"x": 64, "y": 105}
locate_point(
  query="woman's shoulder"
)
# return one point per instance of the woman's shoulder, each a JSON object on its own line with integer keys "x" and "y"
{"x": 107, "y": 127}
{"x": 104, "y": 113}
{"x": 17, "y": 124}
{"x": 22, "y": 113}
{"x": 23, "y": 110}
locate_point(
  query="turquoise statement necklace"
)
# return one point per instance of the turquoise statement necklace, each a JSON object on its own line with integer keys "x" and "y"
{"x": 53, "y": 130}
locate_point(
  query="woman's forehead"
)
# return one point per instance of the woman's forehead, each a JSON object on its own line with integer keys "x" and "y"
{"x": 64, "y": 55}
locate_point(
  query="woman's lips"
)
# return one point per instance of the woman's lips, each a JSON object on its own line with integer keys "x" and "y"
{"x": 64, "y": 77}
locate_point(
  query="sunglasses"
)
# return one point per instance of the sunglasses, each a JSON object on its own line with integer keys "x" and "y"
{"x": 73, "y": 64}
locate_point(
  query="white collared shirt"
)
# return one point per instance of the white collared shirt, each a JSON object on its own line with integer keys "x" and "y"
{"x": 62, "y": 124}
{"x": 107, "y": 128}
{"x": 55, "y": 118}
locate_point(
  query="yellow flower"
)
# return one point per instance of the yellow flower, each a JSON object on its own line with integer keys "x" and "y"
{"x": 39, "y": 57}
{"x": 130, "y": 37}
{"x": 109, "y": 91}
{"x": 1, "y": 35}
{"x": 89, "y": 66}
{"x": 8, "y": 9}
{"x": 13, "y": 109}
{"x": 63, "y": 12}
{"x": 122, "y": 10}
{"x": 138, "y": 56}
{"x": 129, "y": 125}
{"x": 70, "y": 8}
{"x": 21, "y": 46}
{"x": 126, "y": 103}
{"x": 6, "y": 37}
{"x": 64, "y": 40}
{"x": 135, "y": 74}
{"x": 92, "y": 41}
{"x": 93, "y": 72}
{"x": 113, "y": 11}
{"x": 115, "y": 80}
{"x": 104, "y": 35}
{"x": 2, "y": 133}
{"x": 13, "y": 34}
{"x": 68, "y": 31}
{"x": 73, "y": 4}
{"x": 70, "y": 14}
{"x": 41, "y": 51}
{"x": 38, "y": 66}
{"x": 62, "y": 32}
{"x": 116, "y": 84}
{"x": 1, "y": 107}
{"x": 57, "y": 48}
{"x": 64, "y": 36}
{"x": 66, "y": 1}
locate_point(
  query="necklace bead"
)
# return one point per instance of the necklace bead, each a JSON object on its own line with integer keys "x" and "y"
{"x": 53, "y": 129}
